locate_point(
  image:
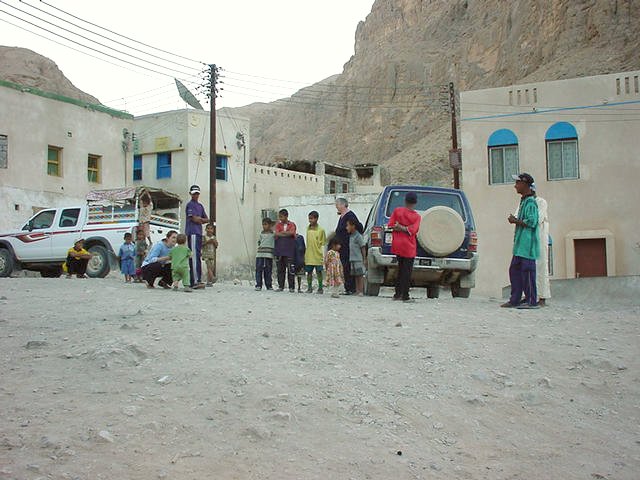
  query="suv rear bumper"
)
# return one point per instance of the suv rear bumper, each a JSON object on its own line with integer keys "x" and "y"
{"x": 428, "y": 269}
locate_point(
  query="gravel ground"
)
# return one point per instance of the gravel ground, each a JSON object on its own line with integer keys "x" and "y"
{"x": 105, "y": 380}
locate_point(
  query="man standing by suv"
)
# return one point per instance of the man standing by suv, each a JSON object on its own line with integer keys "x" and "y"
{"x": 196, "y": 217}
{"x": 526, "y": 246}
{"x": 405, "y": 222}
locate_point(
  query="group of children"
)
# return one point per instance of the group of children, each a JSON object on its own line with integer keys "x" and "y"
{"x": 131, "y": 256}
{"x": 297, "y": 258}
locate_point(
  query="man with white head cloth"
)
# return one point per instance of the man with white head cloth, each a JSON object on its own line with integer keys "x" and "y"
{"x": 543, "y": 285}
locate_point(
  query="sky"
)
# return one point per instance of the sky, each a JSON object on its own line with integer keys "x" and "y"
{"x": 267, "y": 49}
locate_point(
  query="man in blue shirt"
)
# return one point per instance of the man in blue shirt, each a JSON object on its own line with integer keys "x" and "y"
{"x": 196, "y": 217}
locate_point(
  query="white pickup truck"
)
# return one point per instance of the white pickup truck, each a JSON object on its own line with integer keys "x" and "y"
{"x": 42, "y": 243}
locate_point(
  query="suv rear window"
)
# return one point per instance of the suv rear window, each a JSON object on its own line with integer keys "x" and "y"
{"x": 426, "y": 200}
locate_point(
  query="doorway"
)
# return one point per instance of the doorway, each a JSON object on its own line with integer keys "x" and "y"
{"x": 591, "y": 257}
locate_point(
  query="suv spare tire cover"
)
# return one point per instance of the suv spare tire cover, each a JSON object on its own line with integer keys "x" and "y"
{"x": 441, "y": 231}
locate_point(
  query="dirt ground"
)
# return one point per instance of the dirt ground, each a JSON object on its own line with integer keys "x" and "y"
{"x": 104, "y": 380}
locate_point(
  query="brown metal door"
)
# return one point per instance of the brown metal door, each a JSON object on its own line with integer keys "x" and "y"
{"x": 591, "y": 257}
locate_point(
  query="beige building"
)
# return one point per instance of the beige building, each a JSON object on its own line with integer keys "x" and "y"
{"x": 171, "y": 151}
{"x": 54, "y": 149}
{"x": 579, "y": 138}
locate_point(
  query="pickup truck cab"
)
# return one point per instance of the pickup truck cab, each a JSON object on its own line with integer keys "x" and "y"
{"x": 43, "y": 241}
{"x": 447, "y": 247}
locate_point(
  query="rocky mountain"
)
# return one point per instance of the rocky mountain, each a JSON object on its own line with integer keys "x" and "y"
{"x": 25, "y": 67}
{"x": 385, "y": 105}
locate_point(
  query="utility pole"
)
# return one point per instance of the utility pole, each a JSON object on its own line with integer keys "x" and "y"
{"x": 213, "y": 93}
{"x": 454, "y": 155}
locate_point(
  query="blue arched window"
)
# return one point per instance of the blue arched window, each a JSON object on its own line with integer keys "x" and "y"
{"x": 503, "y": 156}
{"x": 562, "y": 151}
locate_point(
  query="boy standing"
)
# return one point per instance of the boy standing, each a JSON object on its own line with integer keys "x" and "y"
{"x": 127, "y": 255}
{"x": 209, "y": 248}
{"x": 141, "y": 253}
{"x": 405, "y": 222}
{"x": 264, "y": 255}
{"x": 285, "y": 250}
{"x": 313, "y": 257}
{"x": 180, "y": 255}
{"x": 357, "y": 255}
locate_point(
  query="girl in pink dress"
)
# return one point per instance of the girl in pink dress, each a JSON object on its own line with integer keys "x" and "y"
{"x": 333, "y": 267}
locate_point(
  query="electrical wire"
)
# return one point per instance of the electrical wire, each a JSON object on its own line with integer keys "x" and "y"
{"x": 88, "y": 39}
{"x": 87, "y": 47}
{"x": 121, "y": 35}
{"x": 107, "y": 38}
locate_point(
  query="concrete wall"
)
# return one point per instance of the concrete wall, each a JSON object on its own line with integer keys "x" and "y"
{"x": 33, "y": 120}
{"x": 299, "y": 208}
{"x": 602, "y": 202}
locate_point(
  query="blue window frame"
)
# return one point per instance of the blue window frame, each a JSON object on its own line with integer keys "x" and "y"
{"x": 222, "y": 167}
{"x": 163, "y": 168}
{"x": 562, "y": 152}
{"x": 137, "y": 167}
{"x": 503, "y": 156}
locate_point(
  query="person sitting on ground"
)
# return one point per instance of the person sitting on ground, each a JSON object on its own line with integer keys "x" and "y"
{"x": 209, "y": 250}
{"x": 357, "y": 255}
{"x": 180, "y": 255}
{"x": 77, "y": 260}
{"x": 156, "y": 264}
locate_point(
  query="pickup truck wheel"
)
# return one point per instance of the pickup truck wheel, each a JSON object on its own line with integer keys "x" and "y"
{"x": 460, "y": 292}
{"x": 433, "y": 292}
{"x": 6, "y": 262}
{"x": 371, "y": 289}
{"x": 53, "y": 272}
{"x": 98, "y": 266}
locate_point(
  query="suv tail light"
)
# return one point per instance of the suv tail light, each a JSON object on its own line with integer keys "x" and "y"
{"x": 376, "y": 236}
{"x": 473, "y": 241}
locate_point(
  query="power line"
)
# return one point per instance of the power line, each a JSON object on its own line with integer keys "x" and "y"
{"x": 70, "y": 47}
{"x": 107, "y": 38}
{"x": 87, "y": 47}
{"x": 121, "y": 35}
{"x": 88, "y": 39}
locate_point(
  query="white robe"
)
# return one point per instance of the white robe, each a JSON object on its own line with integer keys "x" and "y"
{"x": 542, "y": 263}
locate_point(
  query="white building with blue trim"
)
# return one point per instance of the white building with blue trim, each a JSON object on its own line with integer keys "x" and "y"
{"x": 580, "y": 139}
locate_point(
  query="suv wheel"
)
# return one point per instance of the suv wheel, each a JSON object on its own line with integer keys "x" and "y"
{"x": 461, "y": 292}
{"x": 98, "y": 266}
{"x": 433, "y": 292}
{"x": 371, "y": 289}
{"x": 6, "y": 263}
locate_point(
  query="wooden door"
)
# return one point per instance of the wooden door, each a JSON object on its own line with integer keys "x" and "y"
{"x": 591, "y": 257}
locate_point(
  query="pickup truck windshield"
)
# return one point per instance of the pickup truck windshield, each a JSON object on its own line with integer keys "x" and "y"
{"x": 426, "y": 200}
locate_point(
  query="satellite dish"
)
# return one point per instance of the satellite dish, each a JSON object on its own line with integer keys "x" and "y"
{"x": 187, "y": 96}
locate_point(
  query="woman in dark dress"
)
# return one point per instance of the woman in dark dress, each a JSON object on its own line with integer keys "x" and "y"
{"x": 342, "y": 205}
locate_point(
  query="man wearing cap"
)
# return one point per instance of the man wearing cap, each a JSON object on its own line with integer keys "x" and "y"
{"x": 526, "y": 246}
{"x": 196, "y": 217}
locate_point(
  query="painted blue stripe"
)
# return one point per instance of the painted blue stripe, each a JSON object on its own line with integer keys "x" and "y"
{"x": 549, "y": 110}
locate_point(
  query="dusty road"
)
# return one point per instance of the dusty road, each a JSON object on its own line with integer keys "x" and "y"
{"x": 102, "y": 380}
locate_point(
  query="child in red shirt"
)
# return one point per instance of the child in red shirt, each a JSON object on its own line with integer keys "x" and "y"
{"x": 405, "y": 222}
